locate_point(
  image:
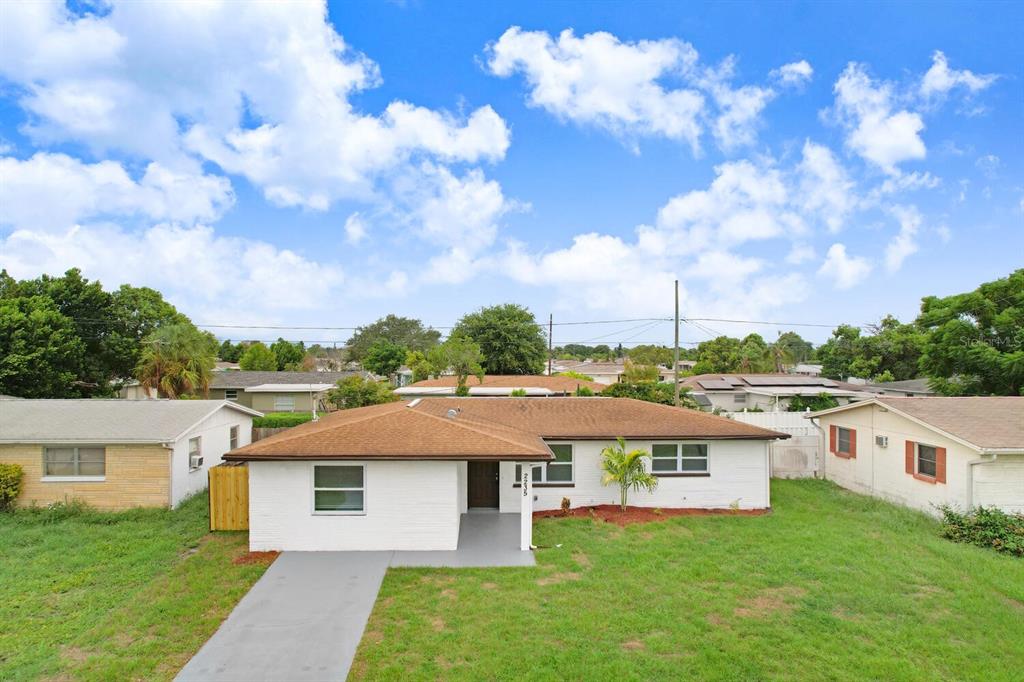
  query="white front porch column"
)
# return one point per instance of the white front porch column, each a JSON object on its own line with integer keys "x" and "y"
{"x": 526, "y": 511}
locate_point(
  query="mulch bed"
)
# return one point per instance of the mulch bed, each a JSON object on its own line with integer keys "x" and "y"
{"x": 612, "y": 513}
{"x": 255, "y": 558}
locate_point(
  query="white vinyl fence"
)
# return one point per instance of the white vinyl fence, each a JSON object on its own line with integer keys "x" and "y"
{"x": 800, "y": 455}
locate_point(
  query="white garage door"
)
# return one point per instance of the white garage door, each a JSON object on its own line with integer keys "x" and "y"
{"x": 1000, "y": 484}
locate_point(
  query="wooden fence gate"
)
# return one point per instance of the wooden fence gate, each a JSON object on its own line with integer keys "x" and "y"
{"x": 229, "y": 497}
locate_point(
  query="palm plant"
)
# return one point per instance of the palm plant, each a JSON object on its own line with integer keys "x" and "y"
{"x": 627, "y": 469}
{"x": 177, "y": 360}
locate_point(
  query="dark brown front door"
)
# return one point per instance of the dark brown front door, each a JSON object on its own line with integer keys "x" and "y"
{"x": 483, "y": 484}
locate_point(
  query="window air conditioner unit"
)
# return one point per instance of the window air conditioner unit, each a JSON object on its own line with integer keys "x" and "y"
{"x": 882, "y": 441}
{"x": 195, "y": 461}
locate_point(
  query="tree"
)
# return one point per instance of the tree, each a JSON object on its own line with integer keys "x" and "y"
{"x": 974, "y": 342}
{"x": 137, "y": 312}
{"x": 718, "y": 356}
{"x": 228, "y": 352}
{"x": 839, "y": 352}
{"x": 626, "y": 469}
{"x": 40, "y": 351}
{"x": 177, "y": 360}
{"x": 384, "y": 357}
{"x": 637, "y": 374}
{"x": 754, "y": 355}
{"x": 419, "y": 364}
{"x": 651, "y": 355}
{"x": 791, "y": 347}
{"x": 651, "y": 392}
{"x": 289, "y": 355}
{"x": 357, "y": 391}
{"x": 822, "y": 401}
{"x": 509, "y": 338}
{"x": 891, "y": 351}
{"x": 258, "y": 357}
{"x": 460, "y": 356}
{"x": 402, "y": 331}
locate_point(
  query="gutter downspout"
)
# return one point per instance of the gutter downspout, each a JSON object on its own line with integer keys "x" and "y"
{"x": 970, "y": 477}
{"x": 824, "y": 445}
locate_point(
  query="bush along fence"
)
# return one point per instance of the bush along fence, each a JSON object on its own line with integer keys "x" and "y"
{"x": 10, "y": 484}
{"x": 985, "y": 527}
{"x": 268, "y": 425}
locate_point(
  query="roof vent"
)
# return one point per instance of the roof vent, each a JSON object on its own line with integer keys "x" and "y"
{"x": 414, "y": 403}
{"x": 453, "y": 413}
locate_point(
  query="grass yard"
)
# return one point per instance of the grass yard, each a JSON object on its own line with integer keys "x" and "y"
{"x": 832, "y": 585}
{"x": 103, "y": 596}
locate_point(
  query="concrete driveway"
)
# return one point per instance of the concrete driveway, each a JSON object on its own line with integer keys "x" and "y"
{"x": 304, "y": 618}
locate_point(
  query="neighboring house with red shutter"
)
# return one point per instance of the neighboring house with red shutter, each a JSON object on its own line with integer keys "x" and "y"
{"x": 924, "y": 452}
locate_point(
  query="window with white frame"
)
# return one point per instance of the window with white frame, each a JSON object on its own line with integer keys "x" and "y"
{"x": 75, "y": 461}
{"x": 679, "y": 458}
{"x": 284, "y": 403}
{"x": 195, "y": 451}
{"x": 926, "y": 460}
{"x": 339, "y": 489}
{"x": 233, "y": 438}
{"x": 230, "y": 394}
{"x": 556, "y": 472}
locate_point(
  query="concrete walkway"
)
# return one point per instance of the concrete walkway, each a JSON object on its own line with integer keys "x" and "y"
{"x": 305, "y": 617}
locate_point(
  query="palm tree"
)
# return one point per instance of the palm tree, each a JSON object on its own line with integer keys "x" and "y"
{"x": 626, "y": 469}
{"x": 177, "y": 360}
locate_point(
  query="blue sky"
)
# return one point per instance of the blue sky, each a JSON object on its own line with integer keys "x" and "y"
{"x": 316, "y": 165}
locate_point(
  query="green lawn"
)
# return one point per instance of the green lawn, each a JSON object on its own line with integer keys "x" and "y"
{"x": 114, "y": 596}
{"x": 832, "y": 585}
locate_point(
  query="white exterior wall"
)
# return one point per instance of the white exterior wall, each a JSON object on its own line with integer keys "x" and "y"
{"x": 215, "y": 434}
{"x": 739, "y": 475}
{"x": 882, "y": 471}
{"x": 463, "y": 483}
{"x": 408, "y": 506}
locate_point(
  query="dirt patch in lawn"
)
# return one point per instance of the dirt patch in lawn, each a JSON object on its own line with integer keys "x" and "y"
{"x": 633, "y": 645}
{"x": 255, "y": 558}
{"x": 558, "y": 578}
{"x": 769, "y": 601}
{"x": 612, "y": 513}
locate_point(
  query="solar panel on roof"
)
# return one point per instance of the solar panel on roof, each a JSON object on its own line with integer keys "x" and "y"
{"x": 788, "y": 381}
{"x": 713, "y": 384}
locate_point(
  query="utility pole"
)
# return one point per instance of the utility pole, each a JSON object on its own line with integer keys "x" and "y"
{"x": 675, "y": 355}
{"x": 551, "y": 324}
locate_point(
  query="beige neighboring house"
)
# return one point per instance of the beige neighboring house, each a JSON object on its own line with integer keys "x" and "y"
{"x": 118, "y": 454}
{"x": 923, "y": 452}
{"x": 497, "y": 385}
{"x": 276, "y": 391}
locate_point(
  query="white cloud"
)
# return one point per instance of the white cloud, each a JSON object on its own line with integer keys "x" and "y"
{"x": 794, "y": 74}
{"x": 875, "y": 131}
{"x": 355, "y": 228}
{"x": 825, "y": 189}
{"x": 908, "y": 182}
{"x": 904, "y": 244}
{"x": 939, "y": 80}
{"x": 52, "y": 191}
{"x": 989, "y": 165}
{"x": 187, "y": 264}
{"x": 631, "y": 89}
{"x": 264, "y": 93}
{"x": 845, "y": 271}
{"x": 945, "y": 234}
{"x": 801, "y": 253}
{"x": 601, "y": 81}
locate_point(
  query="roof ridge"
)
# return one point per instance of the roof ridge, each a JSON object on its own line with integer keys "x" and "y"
{"x": 470, "y": 427}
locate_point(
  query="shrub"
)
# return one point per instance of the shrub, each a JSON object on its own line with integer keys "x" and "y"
{"x": 584, "y": 391}
{"x": 10, "y": 484}
{"x": 281, "y": 420}
{"x": 518, "y": 393}
{"x": 985, "y": 527}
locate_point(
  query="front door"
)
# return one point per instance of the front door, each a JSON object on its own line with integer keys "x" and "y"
{"x": 483, "y": 484}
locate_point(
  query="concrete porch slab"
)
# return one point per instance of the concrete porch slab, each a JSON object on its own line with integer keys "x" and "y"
{"x": 486, "y": 540}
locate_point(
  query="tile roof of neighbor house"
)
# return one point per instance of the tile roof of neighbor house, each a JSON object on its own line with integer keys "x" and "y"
{"x": 245, "y": 379}
{"x": 105, "y": 421}
{"x": 553, "y": 383}
{"x": 908, "y": 385}
{"x": 489, "y": 428}
{"x": 987, "y": 422}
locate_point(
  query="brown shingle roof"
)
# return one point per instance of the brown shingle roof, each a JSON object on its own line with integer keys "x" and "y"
{"x": 987, "y": 422}
{"x": 488, "y": 428}
{"x": 553, "y": 383}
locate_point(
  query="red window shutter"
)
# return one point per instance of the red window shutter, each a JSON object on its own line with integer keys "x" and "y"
{"x": 853, "y": 443}
{"x": 910, "y": 458}
{"x": 940, "y": 465}
{"x": 832, "y": 438}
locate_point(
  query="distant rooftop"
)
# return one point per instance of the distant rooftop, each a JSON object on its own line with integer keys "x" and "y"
{"x": 246, "y": 379}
